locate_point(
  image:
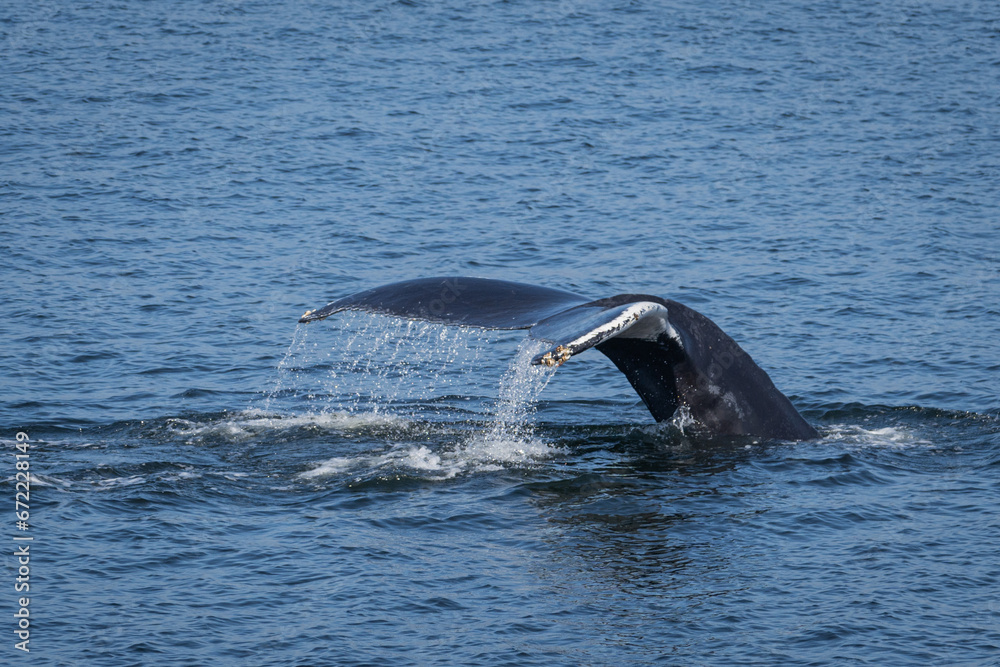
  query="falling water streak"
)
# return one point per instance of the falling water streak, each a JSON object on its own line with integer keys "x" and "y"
{"x": 424, "y": 362}
{"x": 331, "y": 382}
{"x": 379, "y": 364}
{"x": 284, "y": 373}
{"x": 390, "y": 379}
{"x": 459, "y": 349}
{"x": 352, "y": 356}
{"x": 519, "y": 389}
{"x": 382, "y": 365}
{"x": 383, "y": 354}
{"x": 392, "y": 375}
{"x": 407, "y": 371}
{"x": 462, "y": 355}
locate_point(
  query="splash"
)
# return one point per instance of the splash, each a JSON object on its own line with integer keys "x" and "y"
{"x": 682, "y": 419}
{"x": 508, "y": 439}
{"x": 408, "y": 384}
{"x": 511, "y": 435}
{"x": 284, "y": 374}
{"x": 408, "y": 364}
{"x": 519, "y": 389}
{"x": 374, "y": 364}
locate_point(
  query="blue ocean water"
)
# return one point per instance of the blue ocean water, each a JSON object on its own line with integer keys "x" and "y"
{"x": 213, "y": 483}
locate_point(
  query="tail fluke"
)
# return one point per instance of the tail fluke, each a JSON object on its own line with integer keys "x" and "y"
{"x": 673, "y": 356}
{"x": 472, "y": 302}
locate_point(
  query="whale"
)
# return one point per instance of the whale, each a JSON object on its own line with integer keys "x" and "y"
{"x": 679, "y": 362}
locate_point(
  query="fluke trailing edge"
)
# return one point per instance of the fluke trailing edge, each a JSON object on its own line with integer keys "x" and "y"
{"x": 673, "y": 356}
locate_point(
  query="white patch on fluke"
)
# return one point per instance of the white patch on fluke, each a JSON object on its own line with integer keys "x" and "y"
{"x": 643, "y": 320}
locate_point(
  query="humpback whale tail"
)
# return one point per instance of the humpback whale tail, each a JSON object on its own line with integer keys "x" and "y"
{"x": 672, "y": 355}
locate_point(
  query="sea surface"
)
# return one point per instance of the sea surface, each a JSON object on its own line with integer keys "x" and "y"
{"x": 213, "y": 483}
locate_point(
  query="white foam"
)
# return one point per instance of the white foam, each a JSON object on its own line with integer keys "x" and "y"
{"x": 476, "y": 455}
{"x": 887, "y": 436}
{"x": 421, "y": 458}
{"x": 400, "y": 460}
{"x": 115, "y": 482}
{"x": 165, "y": 476}
{"x": 334, "y": 466}
{"x": 251, "y": 423}
{"x": 47, "y": 480}
{"x": 484, "y": 450}
{"x": 183, "y": 475}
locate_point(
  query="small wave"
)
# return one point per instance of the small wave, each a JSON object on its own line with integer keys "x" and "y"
{"x": 166, "y": 476}
{"x": 48, "y": 480}
{"x": 116, "y": 482}
{"x": 254, "y": 422}
{"x": 886, "y": 436}
{"x": 334, "y": 466}
{"x": 477, "y": 454}
{"x": 415, "y": 458}
{"x": 181, "y": 476}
